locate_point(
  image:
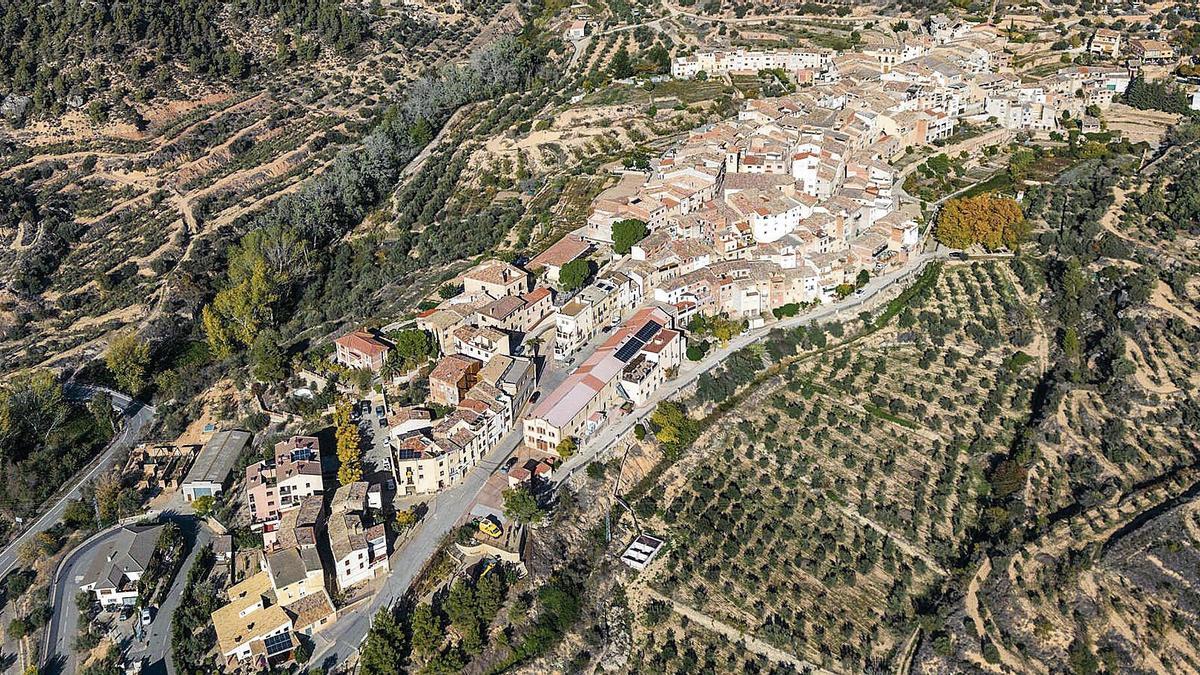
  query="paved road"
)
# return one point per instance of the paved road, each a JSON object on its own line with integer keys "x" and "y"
{"x": 689, "y": 372}
{"x": 136, "y": 417}
{"x": 337, "y": 643}
{"x": 158, "y": 647}
{"x": 58, "y": 656}
{"x": 60, "y": 632}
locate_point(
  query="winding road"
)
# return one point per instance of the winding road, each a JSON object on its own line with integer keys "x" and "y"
{"x": 136, "y": 416}
{"x": 340, "y": 641}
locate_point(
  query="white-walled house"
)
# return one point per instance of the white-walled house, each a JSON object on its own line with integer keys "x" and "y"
{"x": 119, "y": 564}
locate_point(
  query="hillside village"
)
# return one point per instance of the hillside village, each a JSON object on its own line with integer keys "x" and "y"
{"x": 797, "y": 202}
{"x": 794, "y": 203}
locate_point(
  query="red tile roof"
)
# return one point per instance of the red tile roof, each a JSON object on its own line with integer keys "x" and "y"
{"x": 363, "y": 342}
{"x": 560, "y": 253}
{"x": 536, "y": 295}
{"x": 453, "y": 368}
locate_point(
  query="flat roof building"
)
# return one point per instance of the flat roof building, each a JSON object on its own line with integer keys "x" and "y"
{"x": 211, "y": 469}
{"x": 641, "y": 551}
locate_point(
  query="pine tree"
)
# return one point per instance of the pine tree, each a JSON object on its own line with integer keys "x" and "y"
{"x": 463, "y": 611}
{"x": 622, "y": 65}
{"x": 383, "y": 650}
{"x": 427, "y": 631}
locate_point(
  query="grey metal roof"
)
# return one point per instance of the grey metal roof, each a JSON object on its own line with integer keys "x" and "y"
{"x": 216, "y": 458}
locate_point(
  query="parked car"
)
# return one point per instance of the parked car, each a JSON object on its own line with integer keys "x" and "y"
{"x": 147, "y": 617}
{"x": 508, "y": 465}
{"x": 535, "y": 396}
{"x": 490, "y": 528}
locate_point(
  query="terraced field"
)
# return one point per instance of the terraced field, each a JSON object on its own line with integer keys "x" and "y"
{"x": 828, "y": 502}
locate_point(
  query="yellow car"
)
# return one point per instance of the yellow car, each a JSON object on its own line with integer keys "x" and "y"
{"x": 489, "y": 528}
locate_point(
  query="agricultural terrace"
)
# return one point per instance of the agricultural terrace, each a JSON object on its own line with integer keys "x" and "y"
{"x": 835, "y": 494}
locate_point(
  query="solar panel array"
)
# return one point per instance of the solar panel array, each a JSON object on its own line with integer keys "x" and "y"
{"x": 639, "y": 340}
{"x": 627, "y": 350}
{"x": 277, "y": 644}
{"x": 648, "y": 331}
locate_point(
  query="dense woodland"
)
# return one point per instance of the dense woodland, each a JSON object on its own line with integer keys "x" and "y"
{"x": 44, "y": 439}
{"x": 272, "y": 271}
{"x": 56, "y": 51}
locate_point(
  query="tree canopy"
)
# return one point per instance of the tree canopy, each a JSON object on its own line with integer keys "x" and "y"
{"x": 127, "y": 359}
{"x": 994, "y": 222}
{"x": 626, "y": 233}
{"x": 413, "y": 347}
{"x": 522, "y": 506}
{"x": 574, "y": 274}
{"x": 1162, "y": 95}
{"x": 55, "y": 49}
{"x": 348, "y": 451}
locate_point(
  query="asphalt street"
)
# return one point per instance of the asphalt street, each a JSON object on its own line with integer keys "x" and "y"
{"x": 58, "y": 656}
{"x": 136, "y": 417}
{"x": 337, "y": 643}
{"x": 158, "y": 645}
{"x": 154, "y": 648}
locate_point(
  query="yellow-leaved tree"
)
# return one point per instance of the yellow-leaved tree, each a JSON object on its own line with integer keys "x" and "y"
{"x": 127, "y": 359}
{"x": 348, "y": 452}
{"x": 262, "y": 266}
{"x": 991, "y": 221}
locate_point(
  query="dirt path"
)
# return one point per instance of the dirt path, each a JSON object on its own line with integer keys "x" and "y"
{"x": 973, "y": 610}
{"x": 907, "y": 652}
{"x": 1112, "y": 217}
{"x": 1164, "y": 299}
{"x": 772, "y": 653}
{"x": 40, "y": 159}
{"x": 1142, "y": 365}
{"x": 417, "y": 163}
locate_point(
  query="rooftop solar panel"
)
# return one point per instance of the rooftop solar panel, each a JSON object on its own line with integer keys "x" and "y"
{"x": 646, "y": 332}
{"x": 629, "y": 349}
{"x": 277, "y": 644}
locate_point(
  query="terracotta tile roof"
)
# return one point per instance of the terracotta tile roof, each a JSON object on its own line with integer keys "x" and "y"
{"x": 495, "y": 272}
{"x": 503, "y": 307}
{"x": 310, "y": 609}
{"x": 536, "y": 294}
{"x": 363, "y": 342}
{"x": 560, "y": 253}
{"x": 452, "y": 368}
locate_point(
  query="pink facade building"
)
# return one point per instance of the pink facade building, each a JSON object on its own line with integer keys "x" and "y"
{"x": 278, "y": 486}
